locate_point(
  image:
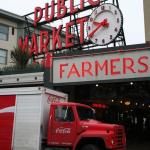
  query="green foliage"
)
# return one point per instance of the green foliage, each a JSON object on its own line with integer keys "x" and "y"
{"x": 17, "y": 70}
{"x": 20, "y": 57}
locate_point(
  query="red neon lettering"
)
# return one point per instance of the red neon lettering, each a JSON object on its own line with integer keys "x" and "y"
{"x": 69, "y": 36}
{"x": 128, "y": 64}
{"x": 73, "y": 71}
{"x": 34, "y": 45}
{"x": 99, "y": 106}
{"x": 72, "y": 9}
{"x": 81, "y": 22}
{"x": 20, "y": 42}
{"x": 94, "y": 3}
{"x": 142, "y": 63}
{"x": 56, "y": 37}
{"x": 81, "y": 4}
{"x": 44, "y": 41}
{"x": 86, "y": 68}
{"x": 113, "y": 66}
{"x": 48, "y": 61}
{"x": 61, "y": 9}
{"x": 38, "y": 13}
{"x": 101, "y": 67}
{"x": 23, "y": 45}
{"x": 61, "y": 70}
{"x": 48, "y": 17}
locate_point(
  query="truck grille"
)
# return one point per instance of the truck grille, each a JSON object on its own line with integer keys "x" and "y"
{"x": 120, "y": 137}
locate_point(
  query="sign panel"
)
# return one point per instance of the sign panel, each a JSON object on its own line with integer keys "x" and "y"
{"x": 100, "y": 67}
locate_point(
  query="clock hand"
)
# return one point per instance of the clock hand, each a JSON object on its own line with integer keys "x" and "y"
{"x": 103, "y": 23}
{"x": 96, "y": 23}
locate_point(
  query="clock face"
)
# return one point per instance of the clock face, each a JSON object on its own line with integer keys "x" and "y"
{"x": 104, "y": 24}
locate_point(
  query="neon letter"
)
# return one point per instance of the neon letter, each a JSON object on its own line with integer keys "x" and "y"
{"x": 73, "y": 71}
{"x": 34, "y": 45}
{"x": 72, "y": 9}
{"x": 69, "y": 36}
{"x": 128, "y": 63}
{"x": 86, "y": 68}
{"x": 23, "y": 45}
{"x": 56, "y": 38}
{"x": 94, "y": 3}
{"x": 113, "y": 66}
{"x": 101, "y": 67}
{"x": 38, "y": 13}
{"x": 145, "y": 66}
{"x": 44, "y": 41}
{"x": 81, "y": 22}
{"x": 61, "y": 9}
{"x": 61, "y": 70}
{"x": 47, "y": 18}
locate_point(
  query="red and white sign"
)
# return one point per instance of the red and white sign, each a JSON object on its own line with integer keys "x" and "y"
{"x": 109, "y": 66}
{"x": 7, "y": 108}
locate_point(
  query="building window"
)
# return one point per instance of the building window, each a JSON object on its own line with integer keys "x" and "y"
{"x": 4, "y": 30}
{"x": 3, "y": 56}
{"x": 13, "y": 31}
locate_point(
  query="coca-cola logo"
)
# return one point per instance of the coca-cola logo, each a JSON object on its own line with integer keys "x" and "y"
{"x": 62, "y": 130}
{"x": 54, "y": 99}
{"x": 8, "y": 110}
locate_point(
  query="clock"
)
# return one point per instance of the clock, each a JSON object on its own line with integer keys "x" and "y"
{"x": 104, "y": 24}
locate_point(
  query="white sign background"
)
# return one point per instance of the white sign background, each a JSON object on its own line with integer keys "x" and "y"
{"x": 101, "y": 58}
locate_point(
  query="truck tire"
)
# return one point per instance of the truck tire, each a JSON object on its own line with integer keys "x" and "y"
{"x": 90, "y": 147}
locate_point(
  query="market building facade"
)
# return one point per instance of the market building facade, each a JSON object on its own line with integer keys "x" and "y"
{"x": 113, "y": 80}
{"x": 12, "y": 26}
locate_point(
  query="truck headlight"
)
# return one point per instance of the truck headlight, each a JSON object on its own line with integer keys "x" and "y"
{"x": 112, "y": 141}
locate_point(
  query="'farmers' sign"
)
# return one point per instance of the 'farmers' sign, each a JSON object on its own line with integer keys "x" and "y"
{"x": 100, "y": 67}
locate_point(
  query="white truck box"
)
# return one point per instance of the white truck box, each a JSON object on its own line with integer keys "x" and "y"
{"x": 24, "y": 116}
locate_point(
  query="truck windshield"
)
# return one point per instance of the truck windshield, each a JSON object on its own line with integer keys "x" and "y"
{"x": 85, "y": 113}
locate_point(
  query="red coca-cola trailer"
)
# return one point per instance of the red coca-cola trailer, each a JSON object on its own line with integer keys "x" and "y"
{"x": 24, "y": 114}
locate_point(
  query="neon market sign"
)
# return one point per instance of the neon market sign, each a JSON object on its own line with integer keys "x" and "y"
{"x": 58, "y": 11}
{"x": 130, "y": 64}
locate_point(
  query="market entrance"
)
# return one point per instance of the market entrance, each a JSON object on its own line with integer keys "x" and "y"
{"x": 114, "y": 81}
{"x": 125, "y": 103}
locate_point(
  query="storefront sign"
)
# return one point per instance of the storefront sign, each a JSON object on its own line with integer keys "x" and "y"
{"x": 60, "y": 9}
{"x": 51, "y": 40}
{"x": 112, "y": 66}
{"x": 57, "y": 10}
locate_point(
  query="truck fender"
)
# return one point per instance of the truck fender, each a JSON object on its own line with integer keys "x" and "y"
{"x": 89, "y": 135}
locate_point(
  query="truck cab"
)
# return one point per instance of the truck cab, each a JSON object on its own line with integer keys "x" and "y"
{"x": 73, "y": 125}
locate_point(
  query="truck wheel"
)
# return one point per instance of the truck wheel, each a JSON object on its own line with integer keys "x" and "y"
{"x": 90, "y": 147}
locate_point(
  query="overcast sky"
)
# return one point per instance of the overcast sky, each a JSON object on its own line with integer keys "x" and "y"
{"x": 132, "y": 11}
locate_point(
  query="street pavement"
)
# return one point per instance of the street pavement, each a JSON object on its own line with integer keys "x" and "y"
{"x": 139, "y": 144}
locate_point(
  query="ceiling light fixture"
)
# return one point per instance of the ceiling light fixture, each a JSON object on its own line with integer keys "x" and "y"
{"x": 97, "y": 85}
{"x": 131, "y": 83}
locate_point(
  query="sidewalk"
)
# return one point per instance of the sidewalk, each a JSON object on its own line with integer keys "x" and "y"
{"x": 139, "y": 144}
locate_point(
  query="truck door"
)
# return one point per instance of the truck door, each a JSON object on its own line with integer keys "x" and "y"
{"x": 63, "y": 126}
{"x": 7, "y": 108}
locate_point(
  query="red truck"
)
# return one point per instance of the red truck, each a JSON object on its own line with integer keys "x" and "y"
{"x": 37, "y": 118}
